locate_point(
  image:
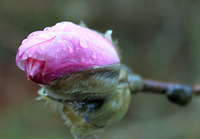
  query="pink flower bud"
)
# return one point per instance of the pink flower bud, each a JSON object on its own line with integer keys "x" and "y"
{"x": 63, "y": 49}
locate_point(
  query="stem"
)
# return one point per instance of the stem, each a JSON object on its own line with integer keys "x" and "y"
{"x": 161, "y": 87}
{"x": 176, "y": 93}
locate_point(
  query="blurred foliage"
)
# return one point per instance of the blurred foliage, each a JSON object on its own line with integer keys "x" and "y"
{"x": 158, "y": 39}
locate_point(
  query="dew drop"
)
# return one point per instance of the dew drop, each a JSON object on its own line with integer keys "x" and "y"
{"x": 60, "y": 23}
{"x": 24, "y": 41}
{"x": 31, "y": 35}
{"x": 83, "y": 43}
{"x": 69, "y": 46}
{"x": 45, "y": 29}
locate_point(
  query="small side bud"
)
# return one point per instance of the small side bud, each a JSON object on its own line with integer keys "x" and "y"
{"x": 181, "y": 95}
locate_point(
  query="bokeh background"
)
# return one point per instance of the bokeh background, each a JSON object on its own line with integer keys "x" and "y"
{"x": 158, "y": 39}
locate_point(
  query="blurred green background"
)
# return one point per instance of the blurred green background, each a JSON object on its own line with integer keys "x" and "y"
{"x": 159, "y": 39}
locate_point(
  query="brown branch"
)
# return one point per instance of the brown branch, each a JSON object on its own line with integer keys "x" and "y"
{"x": 176, "y": 93}
{"x": 162, "y": 87}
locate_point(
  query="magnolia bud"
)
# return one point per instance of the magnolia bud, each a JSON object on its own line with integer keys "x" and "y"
{"x": 79, "y": 70}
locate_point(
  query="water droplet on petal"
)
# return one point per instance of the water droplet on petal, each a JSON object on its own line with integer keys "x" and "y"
{"x": 31, "y": 35}
{"x": 24, "y": 41}
{"x": 45, "y": 29}
{"x": 60, "y": 23}
{"x": 69, "y": 46}
{"x": 83, "y": 43}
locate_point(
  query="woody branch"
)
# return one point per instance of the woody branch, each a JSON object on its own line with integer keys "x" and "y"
{"x": 177, "y": 93}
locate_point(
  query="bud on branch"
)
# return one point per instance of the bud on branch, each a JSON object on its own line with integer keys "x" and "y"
{"x": 176, "y": 93}
{"x": 80, "y": 73}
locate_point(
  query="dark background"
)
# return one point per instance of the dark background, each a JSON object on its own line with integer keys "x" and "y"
{"x": 159, "y": 39}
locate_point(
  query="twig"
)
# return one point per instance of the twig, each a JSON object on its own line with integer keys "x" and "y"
{"x": 176, "y": 93}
